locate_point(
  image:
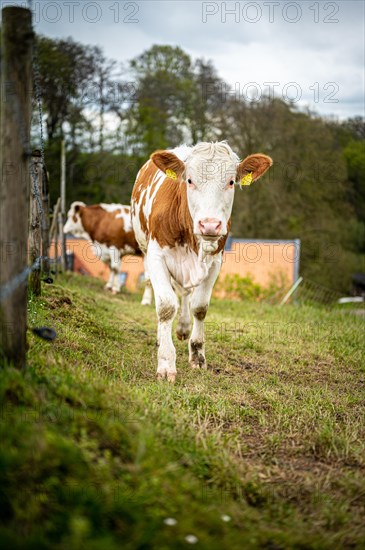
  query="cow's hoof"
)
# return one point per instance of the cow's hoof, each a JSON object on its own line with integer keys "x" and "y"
{"x": 183, "y": 329}
{"x": 200, "y": 364}
{"x": 108, "y": 288}
{"x": 146, "y": 303}
{"x": 169, "y": 376}
{"x": 166, "y": 373}
{"x": 182, "y": 334}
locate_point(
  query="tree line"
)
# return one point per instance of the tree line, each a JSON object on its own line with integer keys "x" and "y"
{"x": 113, "y": 116}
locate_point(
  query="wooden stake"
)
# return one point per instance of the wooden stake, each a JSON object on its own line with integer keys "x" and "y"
{"x": 63, "y": 205}
{"x": 16, "y": 103}
{"x": 54, "y": 233}
{"x": 45, "y": 224}
{"x": 35, "y": 220}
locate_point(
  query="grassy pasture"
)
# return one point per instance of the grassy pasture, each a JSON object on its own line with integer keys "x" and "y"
{"x": 265, "y": 449}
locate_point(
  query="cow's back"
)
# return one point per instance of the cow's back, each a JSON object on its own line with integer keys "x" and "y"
{"x": 110, "y": 225}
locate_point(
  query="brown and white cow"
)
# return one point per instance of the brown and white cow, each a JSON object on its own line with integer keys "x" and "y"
{"x": 181, "y": 214}
{"x": 109, "y": 227}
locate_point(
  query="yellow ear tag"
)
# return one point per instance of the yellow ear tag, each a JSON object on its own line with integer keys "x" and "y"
{"x": 171, "y": 174}
{"x": 246, "y": 180}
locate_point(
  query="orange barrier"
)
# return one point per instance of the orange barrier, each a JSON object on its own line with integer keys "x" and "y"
{"x": 263, "y": 260}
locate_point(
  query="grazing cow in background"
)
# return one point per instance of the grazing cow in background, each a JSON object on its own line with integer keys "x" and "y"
{"x": 109, "y": 227}
{"x": 181, "y": 214}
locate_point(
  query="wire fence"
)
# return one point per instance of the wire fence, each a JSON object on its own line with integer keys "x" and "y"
{"x": 38, "y": 212}
{"x": 34, "y": 241}
{"x": 305, "y": 292}
{"x": 7, "y": 290}
{"x": 310, "y": 292}
{"x": 21, "y": 278}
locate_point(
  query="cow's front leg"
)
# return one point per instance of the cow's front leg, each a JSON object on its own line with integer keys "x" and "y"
{"x": 166, "y": 355}
{"x": 166, "y": 308}
{"x": 199, "y": 307}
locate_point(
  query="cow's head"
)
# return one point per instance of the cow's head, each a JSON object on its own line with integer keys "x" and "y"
{"x": 210, "y": 173}
{"x": 74, "y": 223}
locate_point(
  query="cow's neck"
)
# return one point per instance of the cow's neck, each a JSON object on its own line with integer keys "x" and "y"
{"x": 186, "y": 222}
{"x": 170, "y": 221}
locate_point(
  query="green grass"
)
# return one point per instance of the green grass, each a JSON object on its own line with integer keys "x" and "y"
{"x": 96, "y": 453}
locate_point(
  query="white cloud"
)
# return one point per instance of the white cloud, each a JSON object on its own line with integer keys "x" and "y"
{"x": 324, "y": 45}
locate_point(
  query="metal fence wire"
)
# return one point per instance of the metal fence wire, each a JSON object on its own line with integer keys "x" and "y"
{"x": 7, "y": 290}
{"x": 309, "y": 292}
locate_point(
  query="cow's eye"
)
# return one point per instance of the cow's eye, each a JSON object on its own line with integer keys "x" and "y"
{"x": 189, "y": 181}
{"x": 231, "y": 182}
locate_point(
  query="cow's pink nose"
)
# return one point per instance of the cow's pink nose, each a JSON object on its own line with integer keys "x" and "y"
{"x": 210, "y": 226}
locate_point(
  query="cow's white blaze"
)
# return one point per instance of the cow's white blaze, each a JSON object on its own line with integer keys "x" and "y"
{"x": 209, "y": 169}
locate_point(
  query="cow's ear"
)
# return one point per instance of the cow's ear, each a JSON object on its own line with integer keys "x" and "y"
{"x": 76, "y": 206}
{"x": 172, "y": 166}
{"x": 252, "y": 168}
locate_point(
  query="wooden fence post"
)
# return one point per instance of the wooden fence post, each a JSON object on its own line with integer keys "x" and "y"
{"x": 16, "y": 103}
{"x": 45, "y": 224}
{"x": 63, "y": 205}
{"x": 54, "y": 232}
{"x": 56, "y": 246}
{"x": 35, "y": 220}
{"x": 61, "y": 237}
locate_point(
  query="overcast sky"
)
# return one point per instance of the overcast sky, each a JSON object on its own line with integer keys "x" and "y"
{"x": 312, "y": 51}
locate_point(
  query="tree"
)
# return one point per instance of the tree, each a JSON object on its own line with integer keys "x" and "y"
{"x": 163, "y": 81}
{"x": 315, "y": 190}
{"x": 66, "y": 69}
{"x": 354, "y": 153}
{"x": 205, "y": 101}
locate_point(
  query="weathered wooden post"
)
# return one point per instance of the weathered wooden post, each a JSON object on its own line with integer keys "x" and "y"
{"x": 35, "y": 221}
{"x": 16, "y": 106}
{"x": 54, "y": 232}
{"x": 61, "y": 238}
{"x": 45, "y": 223}
{"x": 63, "y": 205}
{"x": 56, "y": 245}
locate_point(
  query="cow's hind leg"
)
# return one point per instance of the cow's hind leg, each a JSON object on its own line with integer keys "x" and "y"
{"x": 116, "y": 283}
{"x": 199, "y": 307}
{"x": 109, "y": 284}
{"x": 107, "y": 260}
{"x": 114, "y": 267}
{"x": 183, "y": 325}
{"x": 197, "y": 342}
{"x": 147, "y": 294}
